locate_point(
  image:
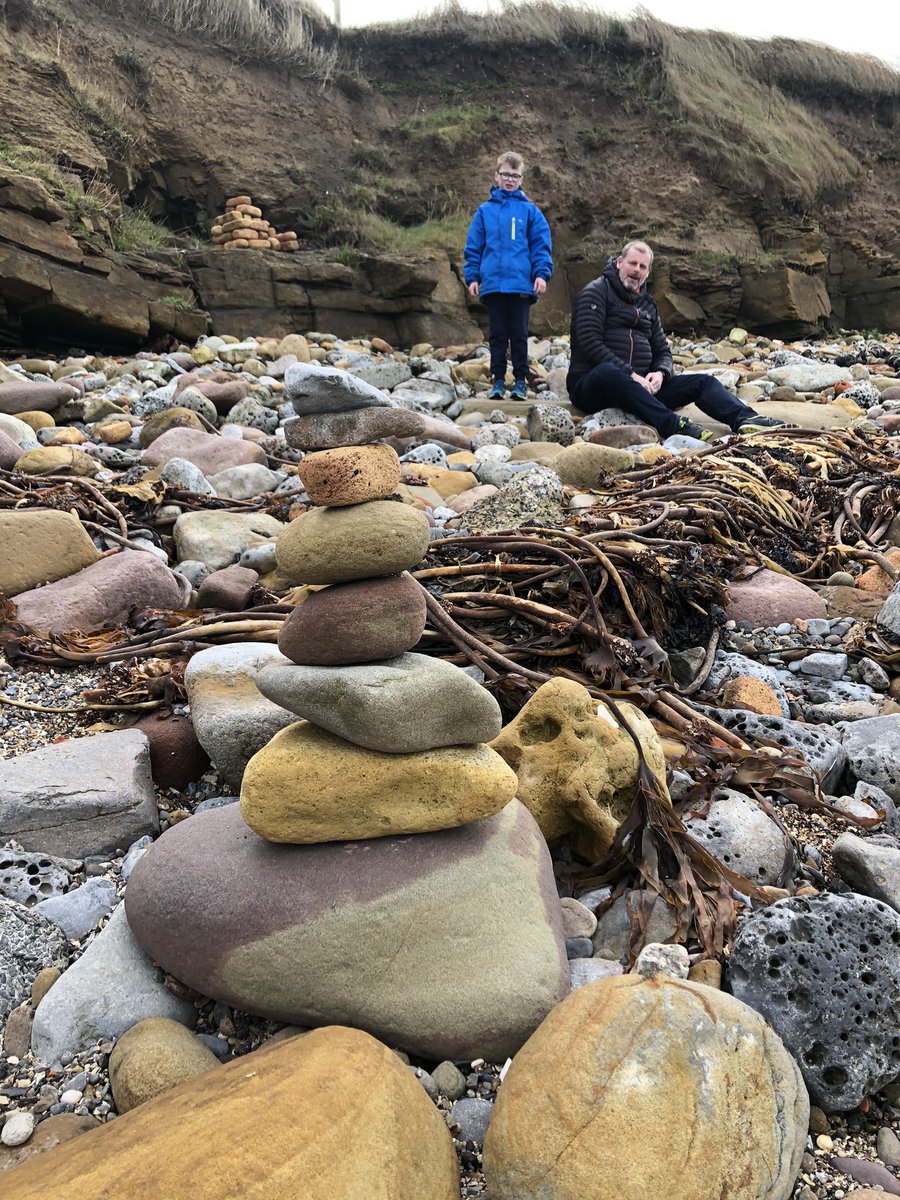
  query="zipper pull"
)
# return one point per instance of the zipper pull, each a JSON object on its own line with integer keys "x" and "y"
{"x": 514, "y": 229}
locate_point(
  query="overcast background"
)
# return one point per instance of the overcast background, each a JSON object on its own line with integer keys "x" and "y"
{"x": 861, "y": 26}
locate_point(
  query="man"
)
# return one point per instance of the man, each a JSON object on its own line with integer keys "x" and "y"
{"x": 621, "y": 358}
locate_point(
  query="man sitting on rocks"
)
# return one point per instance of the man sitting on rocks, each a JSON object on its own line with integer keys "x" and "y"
{"x": 621, "y": 358}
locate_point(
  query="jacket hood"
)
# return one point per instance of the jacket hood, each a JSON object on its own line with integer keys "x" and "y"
{"x": 497, "y": 193}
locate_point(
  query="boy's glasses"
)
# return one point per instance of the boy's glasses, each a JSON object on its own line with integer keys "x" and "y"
{"x": 507, "y": 175}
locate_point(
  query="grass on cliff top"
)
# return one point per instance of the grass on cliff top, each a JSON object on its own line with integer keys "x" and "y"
{"x": 354, "y": 228}
{"x": 290, "y": 32}
{"x": 731, "y": 101}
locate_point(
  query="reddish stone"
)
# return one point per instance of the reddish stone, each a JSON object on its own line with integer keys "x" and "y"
{"x": 208, "y": 451}
{"x": 28, "y": 396}
{"x": 10, "y": 452}
{"x": 229, "y": 588}
{"x": 176, "y": 757}
{"x": 364, "y": 621}
{"x": 768, "y": 598}
{"x": 222, "y": 389}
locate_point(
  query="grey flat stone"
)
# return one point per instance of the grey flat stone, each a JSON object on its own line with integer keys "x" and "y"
{"x": 80, "y": 911}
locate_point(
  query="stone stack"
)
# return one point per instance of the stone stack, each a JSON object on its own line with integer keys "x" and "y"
{"x": 243, "y": 227}
{"x": 392, "y": 742}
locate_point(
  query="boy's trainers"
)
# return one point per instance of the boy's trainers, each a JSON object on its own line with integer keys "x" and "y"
{"x": 757, "y": 424}
{"x": 520, "y": 390}
{"x": 692, "y": 430}
{"x": 498, "y": 391}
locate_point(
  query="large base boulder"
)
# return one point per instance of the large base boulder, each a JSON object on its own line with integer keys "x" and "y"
{"x": 384, "y": 934}
{"x": 623, "y": 1056}
{"x": 40, "y": 546}
{"x": 330, "y": 1114}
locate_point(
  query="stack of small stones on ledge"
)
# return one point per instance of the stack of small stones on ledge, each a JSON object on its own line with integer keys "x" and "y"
{"x": 243, "y": 227}
{"x": 357, "y": 767}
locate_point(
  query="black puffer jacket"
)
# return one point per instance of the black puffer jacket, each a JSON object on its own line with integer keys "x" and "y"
{"x": 615, "y": 326}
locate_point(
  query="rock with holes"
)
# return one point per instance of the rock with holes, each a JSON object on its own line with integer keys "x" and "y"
{"x": 28, "y": 876}
{"x": 724, "y": 1100}
{"x": 739, "y": 834}
{"x": 823, "y": 753}
{"x": 550, "y": 423}
{"x": 825, "y": 973}
{"x": 870, "y": 866}
{"x": 728, "y": 666}
{"x": 577, "y": 765}
{"x": 28, "y": 942}
{"x": 873, "y": 752}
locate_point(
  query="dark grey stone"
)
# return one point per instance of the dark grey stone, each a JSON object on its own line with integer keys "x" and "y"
{"x": 825, "y": 973}
{"x": 873, "y": 752}
{"x": 869, "y": 867}
{"x": 579, "y": 947}
{"x": 28, "y": 943}
{"x": 473, "y": 1115}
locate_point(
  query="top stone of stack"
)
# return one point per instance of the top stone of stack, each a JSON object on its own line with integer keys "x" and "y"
{"x": 243, "y": 227}
{"x": 316, "y": 389}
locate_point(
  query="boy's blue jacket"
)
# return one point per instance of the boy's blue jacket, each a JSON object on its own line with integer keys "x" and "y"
{"x": 508, "y": 246}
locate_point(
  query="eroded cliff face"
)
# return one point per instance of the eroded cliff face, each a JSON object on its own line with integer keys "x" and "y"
{"x": 404, "y": 131}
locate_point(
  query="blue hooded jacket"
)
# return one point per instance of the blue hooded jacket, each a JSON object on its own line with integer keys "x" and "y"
{"x": 508, "y": 245}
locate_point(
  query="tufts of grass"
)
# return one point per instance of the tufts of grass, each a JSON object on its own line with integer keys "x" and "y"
{"x": 291, "y": 32}
{"x": 357, "y": 229}
{"x": 31, "y": 161}
{"x": 179, "y": 303}
{"x": 108, "y": 120}
{"x": 448, "y": 130}
{"x": 136, "y": 230}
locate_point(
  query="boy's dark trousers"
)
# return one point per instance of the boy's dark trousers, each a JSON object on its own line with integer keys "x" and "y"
{"x": 508, "y": 317}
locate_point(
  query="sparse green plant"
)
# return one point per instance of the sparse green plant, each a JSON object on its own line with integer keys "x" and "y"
{"x": 30, "y": 160}
{"x": 179, "y": 303}
{"x": 451, "y": 129}
{"x": 346, "y": 255}
{"x": 136, "y": 229}
{"x": 106, "y": 118}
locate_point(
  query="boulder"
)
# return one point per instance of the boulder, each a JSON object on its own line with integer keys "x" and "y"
{"x": 322, "y": 431}
{"x": 229, "y": 589}
{"x": 245, "y": 482}
{"x": 869, "y": 868}
{"x": 369, "y": 1132}
{"x": 170, "y": 418}
{"x": 873, "y": 752}
{"x": 88, "y": 795}
{"x": 823, "y": 970}
{"x": 315, "y": 389}
{"x": 307, "y": 785}
{"x": 626, "y": 1055}
{"x": 350, "y": 474}
{"x": 111, "y": 987}
{"x": 577, "y": 766}
{"x": 369, "y": 704}
{"x": 888, "y": 616}
{"x": 232, "y": 719}
{"x": 218, "y": 538}
{"x": 41, "y": 545}
{"x": 363, "y": 621}
{"x": 30, "y": 396}
{"x": 530, "y": 497}
{"x": 736, "y": 831}
{"x": 152, "y": 1057}
{"x": 208, "y": 451}
{"x": 809, "y": 376}
{"x": 822, "y": 751}
{"x": 57, "y": 460}
{"x": 586, "y": 465}
{"x": 101, "y": 595}
{"x": 768, "y": 598}
{"x": 787, "y": 299}
{"x": 311, "y": 935}
{"x": 176, "y": 756}
{"x": 10, "y": 452}
{"x": 339, "y": 544}
{"x": 28, "y": 943}
{"x": 81, "y": 910}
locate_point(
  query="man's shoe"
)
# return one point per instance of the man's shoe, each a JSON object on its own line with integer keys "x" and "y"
{"x": 498, "y": 391}
{"x": 758, "y": 423}
{"x": 692, "y": 430}
{"x": 520, "y": 390}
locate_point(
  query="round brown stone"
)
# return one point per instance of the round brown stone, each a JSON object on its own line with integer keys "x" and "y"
{"x": 176, "y": 757}
{"x": 362, "y": 541}
{"x": 350, "y": 474}
{"x": 169, "y": 418}
{"x": 364, "y": 621}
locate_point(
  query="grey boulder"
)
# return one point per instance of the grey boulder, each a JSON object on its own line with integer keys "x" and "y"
{"x": 79, "y": 911}
{"x": 869, "y": 867}
{"x": 873, "y": 752}
{"x": 88, "y": 795}
{"x": 111, "y": 987}
{"x": 738, "y": 832}
{"x": 370, "y": 704}
{"x": 219, "y": 538}
{"x": 28, "y": 943}
{"x": 314, "y": 389}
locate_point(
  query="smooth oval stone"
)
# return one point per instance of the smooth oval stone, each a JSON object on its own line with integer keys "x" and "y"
{"x": 153, "y": 1056}
{"x": 333, "y": 545}
{"x": 385, "y": 934}
{"x": 370, "y": 704}
{"x": 315, "y": 389}
{"x": 321, "y": 431}
{"x": 308, "y": 785}
{"x": 350, "y": 474}
{"x": 365, "y": 621}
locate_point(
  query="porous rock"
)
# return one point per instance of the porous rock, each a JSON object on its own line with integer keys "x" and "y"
{"x": 577, "y": 766}
{"x": 350, "y": 474}
{"x": 823, "y": 752}
{"x": 739, "y": 834}
{"x": 824, "y": 971}
{"x": 363, "y": 621}
{"x": 627, "y": 1054}
{"x": 369, "y": 1133}
{"x": 314, "y": 934}
{"x": 873, "y": 752}
{"x": 307, "y": 785}
{"x": 334, "y": 545}
{"x": 28, "y": 942}
{"x": 370, "y": 703}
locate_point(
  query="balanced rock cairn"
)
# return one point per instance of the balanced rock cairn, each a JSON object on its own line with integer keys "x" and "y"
{"x": 243, "y": 227}
{"x": 392, "y": 742}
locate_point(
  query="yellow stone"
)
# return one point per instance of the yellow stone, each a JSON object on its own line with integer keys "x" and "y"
{"x": 462, "y": 456}
{"x": 57, "y": 460}
{"x": 115, "y": 431}
{"x": 577, "y": 766}
{"x": 294, "y": 343}
{"x": 329, "y": 1114}
{"x": 850, "y": 407}
{"x": 308, "y": 785}
{"x": 37, "y": 420}
{"x": 67, "y": 436}
{"x": 445, "y": 483}
{"x": 153, "y": 1056}
{"x": 202, "y": 355}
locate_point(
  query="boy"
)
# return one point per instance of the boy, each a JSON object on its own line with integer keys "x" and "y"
{"x": 507, "y": 264}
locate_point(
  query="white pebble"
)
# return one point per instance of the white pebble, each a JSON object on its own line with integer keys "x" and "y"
{"x": 72, "y": 1096}
{"x": 18, "y": 1129}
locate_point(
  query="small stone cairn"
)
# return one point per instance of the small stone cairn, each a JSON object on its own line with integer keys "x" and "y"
{"x": 392, "y": 742}
{"x": 243, "y": 227}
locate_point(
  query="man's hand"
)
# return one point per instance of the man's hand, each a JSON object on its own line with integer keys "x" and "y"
{"x": 655, "y": 381}
{"x": 644, "y": 381}
{"x": 474, "y": 290}
{"x": 540, "y": 286}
